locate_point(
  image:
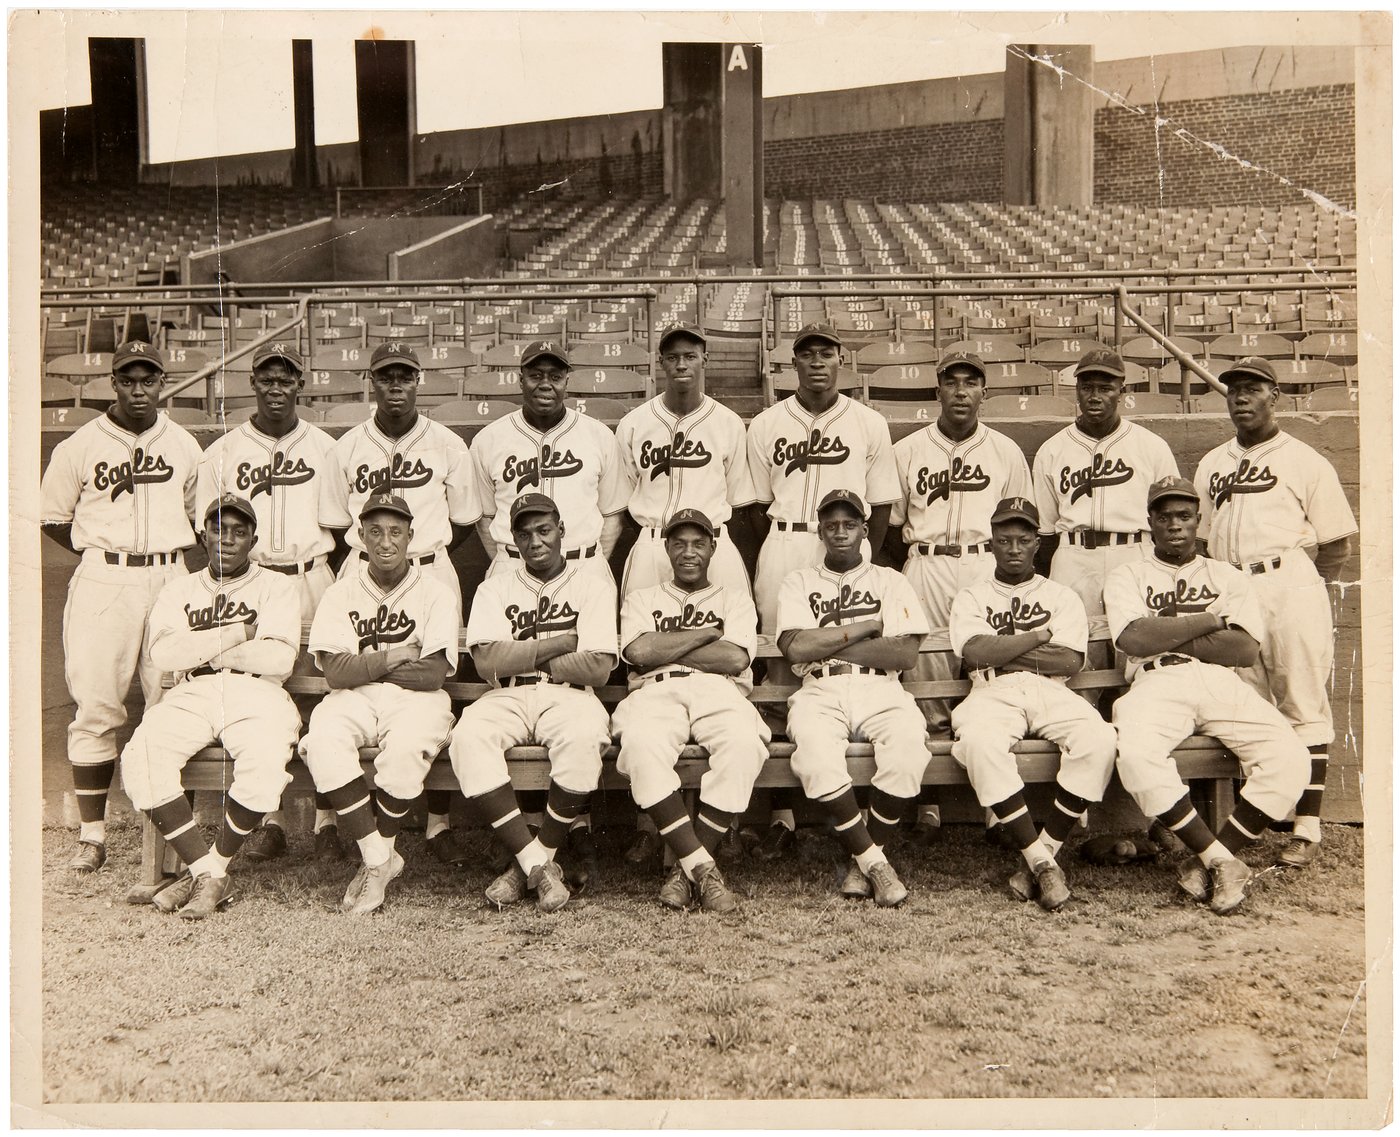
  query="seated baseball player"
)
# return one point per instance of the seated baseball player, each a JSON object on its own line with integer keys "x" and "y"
{"x": 1020, "y": 637}
{"x": 543, "y": 634}
{"x": 849, "y": 628}
{"x": 690, "y": 643}
{"x": 385, "y": 636}
{"x": 1185, "y": 622}
{"x": 230, "y": 634}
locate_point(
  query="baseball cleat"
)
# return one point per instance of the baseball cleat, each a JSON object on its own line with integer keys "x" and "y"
{"x": 175, "y": 894}
{"x": 1022, "y": 884}
{"x": 508, "y": 888}
{"x": 326, "y": 846}
{"x": 1052, "y": 890}
{"x": 139, "y": 894}
{"x": 675, "y": 890}
{"x": 888, "y": 888}
{"x": 445, "y": 848}
{"x": 357, "y": 886}
{"x": 546, "y": 881}
{"x": 582, "y": 860}
{"x": 1194, "y": 879}
{"x": 376, "y": 881}
{"x": 90, "y": 857}
{"x": 1228, "y": 880}
{"x": 210, "y": 893}
{"x": 775, "y": 844}
{"x": 1299, "y": 853}
{"x": 265, "y": 843}
{"x": 855, "y": 885}
{"x": 715, "y": 895}
{"x": 645, "y": 847}
{"x": 731, "y": 846}
{"x": 924, "y": 835}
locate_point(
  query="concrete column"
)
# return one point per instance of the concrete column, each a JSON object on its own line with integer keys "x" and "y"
{"x": 742, "y": 132}
{"x": 1049, "y": 125}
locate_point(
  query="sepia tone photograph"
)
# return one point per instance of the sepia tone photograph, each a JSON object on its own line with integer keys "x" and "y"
{"x": 688, "y": 569}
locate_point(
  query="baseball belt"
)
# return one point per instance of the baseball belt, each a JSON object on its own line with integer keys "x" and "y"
{"x": 795, "y": 526}
{"x": 426, "y": 560}
{"x": 1166, "y": 661}
{"x": 531, "y": 680}
{"x": 142, "y": 560}
{"x": 1098, "y": 538}
{"x": 846, "y": 669}
{"x": 953, "y": 550}
{"x": 654, "y": 531}
{"x": 660, "y": 675}
{"x": 571, "y": 555}
{"x": 294, "y": 569}
{"x": 205, "y": 669}
{"x": 1257, "y": 567}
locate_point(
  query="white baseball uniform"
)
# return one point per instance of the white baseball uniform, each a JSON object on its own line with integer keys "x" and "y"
{"x": 1005, "y": 706}
{"x": 409, "y": 727}
{"x": 839, "y": 702}
{"x": 515, "y": 605}
{"x": 577, "y": 463}
{"x": 671, "y": 705}
{"x": 1263, "y": 507}
{"x": 694, "y": 461}
{"x": 795, "y": 460}
{"x": 281, "y": 479}
{"x": 129, "y": 499}
{"x": 1172, "y": 695}
{"x": 948, "y": 493}
{"x": 228, "y": 687}
{"x": 1093, "y": 492}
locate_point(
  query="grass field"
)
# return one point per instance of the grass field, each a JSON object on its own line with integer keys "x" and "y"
{"x": 1130, "y": 991}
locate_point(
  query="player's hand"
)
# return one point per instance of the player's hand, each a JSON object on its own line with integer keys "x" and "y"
{"x": 568, "y": 642}
{"x": 397, "y": 655}
{"x": 252, "y": 627}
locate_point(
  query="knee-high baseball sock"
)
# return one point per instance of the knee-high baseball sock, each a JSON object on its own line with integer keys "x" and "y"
{"x": 560, "y": 809}
{"x": 353, "y": 809}
{"x": 711, "y": 825}
{"x": 439, "y": 811}
{"x": 239, "y": 821}
{"x": 175, "y": 820}
{"x": 500, "y": 810}
{"x": 1244, "y": 825}
{"x": 844, "y": 814}
{"x": 673, "y": 823}
{"x": 1014, "y": 816}
{"x": 1307, "y": 821}
{"x": 886, "y": 812}
{"x": 325, "y": 815}
{"x": 1183, "y": 820}
{"x": 1065, "y": 813}
{"x": 930, "y": 810}
{"x": 92, "y": 784}
{"x": 391, "y": 811}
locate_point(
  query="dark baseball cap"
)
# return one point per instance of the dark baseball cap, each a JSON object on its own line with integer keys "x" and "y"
{"x": 838, "y": 497}
{"x": 232, "y": 503}
{"x": 1170, "y": 487}
{"x": 542, "y": 348}
{"x": 137, "y": 351}
{"x": 1250, "y": 367}
{"x": 816, "y": 332}
{"x": 688, "y": 517}
{"x": 531, "y": 503}
{"x": 962, "y": 359}
{"x": 673, "y": 330}
{"x": 393, "y": 352}
{"x": 1101, "y": 361}
{"x": 1016, "y": 509}
{"x": 282, "y": 351}
{"x": 385, "y": 503}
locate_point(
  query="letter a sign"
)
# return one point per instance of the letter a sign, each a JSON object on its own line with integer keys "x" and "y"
{"x": 737, "y": 60}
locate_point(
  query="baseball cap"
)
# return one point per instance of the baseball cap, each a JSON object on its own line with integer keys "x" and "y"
{"x": 672, "y": 330}
{"x": 1101, "y": 361}
{"x": 284, "y": 351}
{"x": 1170, "y": 487}
{"x": 688, "y": 517}
{"x": 137, "y": 351}
{"x": 964, "y": 359}
{"x": 1250, "y": 367}
{"x": 394, "y": 352}
{"x": 1016, "y": 509}
{"x": 232, "y": 503}
{"x": 532, "y": 503}
{"x": 816, "y": 332}
{"x": 542, "y": 348}
{"x": 385, "y": 503}
{"x": 836, "y": 497}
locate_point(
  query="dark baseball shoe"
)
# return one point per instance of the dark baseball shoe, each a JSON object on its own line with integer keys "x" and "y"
{"x": 90, "y": 857}
{"x": 1052, "y": 890}
{"x": 174, "y": 895}
{"x": 376, "y": 882}
{"x": 676, "y": 891}
{"x": 326, "y": 846}
{"x": 444, "y": 847}
{"x": 1299, "y": 853}
{"x": 1194, "y": 879}
{"x": 546, "y": 881}
{"x": 925, "y": 835}
{"x": 140, "y": 894}
{"x": 498, "y": 857}
{"x": 855, "y": 885}
{"x": 1022, "y": 884}
{"x": 645, "y": 848}
{"x": 1228, "y": 881}
{"x": 998, "y": 837}
{"x": 731, "y": 847}
{"x": 714, "y": 893}
{"x": 582, "y": 861}
{"x": 885, "y": 883}
{"x": 265, "y": 843}
{"x": 775, "y": 844}
{"x": 1166, "y": 841}
{"x": 508, "y": 888}
{"x": 210, "y": 893}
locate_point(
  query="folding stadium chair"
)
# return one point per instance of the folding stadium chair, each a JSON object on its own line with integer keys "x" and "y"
{"x": 608, "y": 355}
{"x": 342, "y": 359}
{"x": 415, "y": 334}
{"x": 1059, "y": 353}
{"x": 469, "y": 412}
{"x": 55, "y": 391}
{"x": 1332, "y": 347}
{"x": 446, "y": 357}
{"x": 605, "y": 410}
{"x": 991, "y": 349}
{"x": 1028, "y": 406}
{"x": 1151, "y": 403}
{"x": 914, "y": 382}
{"x": 188, "y": 416}
{"x": 80, "y": 368}
{"x": 336, "y": 385}
{"x": 1237, "y": 345}
{"x": 66, "y": 418}
{"x": 1331, "y": 399}
{"x": 345, "y": 412}
{"x": 898, "y": 353}
{"x": 608, "y": 382}
{"x": 531, "y": 330}
{"x": 1024, "y": 378}
{"x": 920, "y": 412}
{"x": 438, "y": 387}
{"x": 492, "y": 385}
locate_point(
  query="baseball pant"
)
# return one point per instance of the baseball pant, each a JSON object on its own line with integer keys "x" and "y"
{"x": 1016, "y": 705}
{"x": 409, "y": 727}
{"x": 1085, "y": 570}
{"x": 1295, "y": 656}
{"x": 570, "y": 722}
{"x": 936, "y": 580}
{"x": 1169, "y": 704}
{"x": 647, "y": 564}
{"x": 785, "y": 551}
{"x": 312, "y": 585}
{"x": 826, "y": 714}
{"x": 104, "y": 633}
{"x": 255, "y": 720}
{"x": 440, "y": 567}
{"x": 657, "y": 720}
{"x": 504, "y": 562}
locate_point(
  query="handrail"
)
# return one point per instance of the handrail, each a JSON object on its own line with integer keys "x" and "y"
{"x": 1162, "y": 341}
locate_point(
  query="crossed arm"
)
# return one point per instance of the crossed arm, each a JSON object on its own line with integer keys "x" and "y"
{"x": 703, "y": 649}
{"x": 1203, "y": 635}
{"x": 1025, "y": 651}
{"x": 863, "y": 643}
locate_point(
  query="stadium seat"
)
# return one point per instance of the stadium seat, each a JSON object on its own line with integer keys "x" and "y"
{"x": 1030, "y": 378}
{"x": 491, "y": 385}
{"x": 608, "y": 355}
{"x": 991, "y": 349}
{"x": 335, "y": 385}
{"x": 1059, "y": 353}
{"x": 188, "y": 416}
{"x": 1331, "y": 399}
{"x": 342, "y": 359}
{"x": 922, "y": 412}
{"x": 1028, "y": 406}
{"x": 184, "y": 361}
{"x": 66, "y": 418}
{"x": 79, "y": 368}
{"x": 906, "y": 382}
{"x": 55, "y": 391}
{"x": 1149, "y": 403}
{"x": 504, "y": 356}
{"x": 467, "y": 412}
{"x": 446, "y": 357}
{"x": 603, "y": 409}
{"x": 1298, "y": 376}
{"x": 346, "y": 412}
{"x": 1332, "y": 347}
{"x": 896, "y": 353}
{"x": 607, "y": 382}
{"x": 1237, "y": 345}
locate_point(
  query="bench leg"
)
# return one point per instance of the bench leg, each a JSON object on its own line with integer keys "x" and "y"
{"x": 1220, "y": 802}
{"x": 153, "y": 851}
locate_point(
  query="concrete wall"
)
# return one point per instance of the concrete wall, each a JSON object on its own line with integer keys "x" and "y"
{"x": 361, "y": 249}
{"x": 470, "y": 249}
{"x": 302, "y": 252}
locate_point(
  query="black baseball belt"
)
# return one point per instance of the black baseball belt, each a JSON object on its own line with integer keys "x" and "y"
{"x": 1098, "y": 538}
{"x": 1168, "y": 660}
{"x": 953, "y": 550}
{"x": 141, "y": 560}
{"x": 846, "y": 669}
{"x": 660, "y": 675}
{"x": 1257, "y": 567}
{"x": 796, "y": 526}
{"x": 531, "y": 680}
{"x": 205, "y": 669}
{"x": 570, "y": 555}
{"x": 426, "y": 560}
{"x": 295, "y": 569}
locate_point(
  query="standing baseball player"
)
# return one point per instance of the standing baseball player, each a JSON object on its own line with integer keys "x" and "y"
{"x": 120, "y": 493}
{"x": 543, "y": 634}
{"x": 1020, "y": 637}
{"x": 277, "y": 461}
{"x": 385, "y": 636}
{"x": 1266, "y": 499}
{"x": 800, "y": 449}
{"x": 1185, "y": 623}
{"x": 231, "y": 635}
{"x": 849, "y": 628}
{"x": 690, "y": 642}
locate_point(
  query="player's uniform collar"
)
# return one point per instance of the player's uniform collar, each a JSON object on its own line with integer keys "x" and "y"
{"x": 398, "y": 442}
{"x": 107, "y": 423}
{"x": 979, "y": 432}
{"x": 801, "y": 412}
{"x": 410, "y": 578}
{"x": 663, "y": 412}
{"x": 287, "y": 439}
{"x": 518, "y": 420}
{"x": 1092, "y": 443}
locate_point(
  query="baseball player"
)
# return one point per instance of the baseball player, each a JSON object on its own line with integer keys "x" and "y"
{"x": 401, "y": 452}
{"x": 800, "y": 449}
{"x": 543, "y": 634}
{"x": 849, "y": 628}
{"x": 690, "y": 642}
{"x": 1266, "y": 499}
{"x": 230, "y": 634}
{"x": 1185, "y": 622}
{"x": 1020, "y": 637}
{"x": 120, "y": 493}
{"x": 277, "y": 461}
{"x": 385, "y": 636}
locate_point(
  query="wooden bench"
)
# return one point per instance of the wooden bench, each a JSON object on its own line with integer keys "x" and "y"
{"x": 1200, "y": 759}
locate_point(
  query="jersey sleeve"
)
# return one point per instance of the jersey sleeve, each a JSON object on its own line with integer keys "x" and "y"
{"x": 463, "y": 502}
{"x": 1238, "y": 602}
{"x": 440, "y": 626}
{"x": 881, "y": 479}
{"x": 193, "y": 454}
{"x": 167, "y": 614}
{"x": 1069, "y": 622}
{"x": 636, "y": 619}
{"x": 208, "y": 477}
{"x": 903, "y": 612}
{"x": 899, "y": 511}
{"x": 626, "y": 432}
{"x": 741, "y": 621}
{"x": 738, "y": 481}
{"x": 1325, "y": 503}
{"x": 335, "y": 490}
{"x": 794, "y": 613}
{"x": 760, "y": 473}
{"x": 597, "y": 618}
{"x": 331, "y": 633}
{"x": 1047, "y": 497}
{"x": 487, "y": 622}
{"x": 280, "y": 617}
{"x": 485, "y": 486}
{"x": 1018, "y": 474}
{"x": 967, "y": 620}
{"x": 614, "y": 486}
{"x": 1123, "y": 600}
{"x": 61, "y": 485}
